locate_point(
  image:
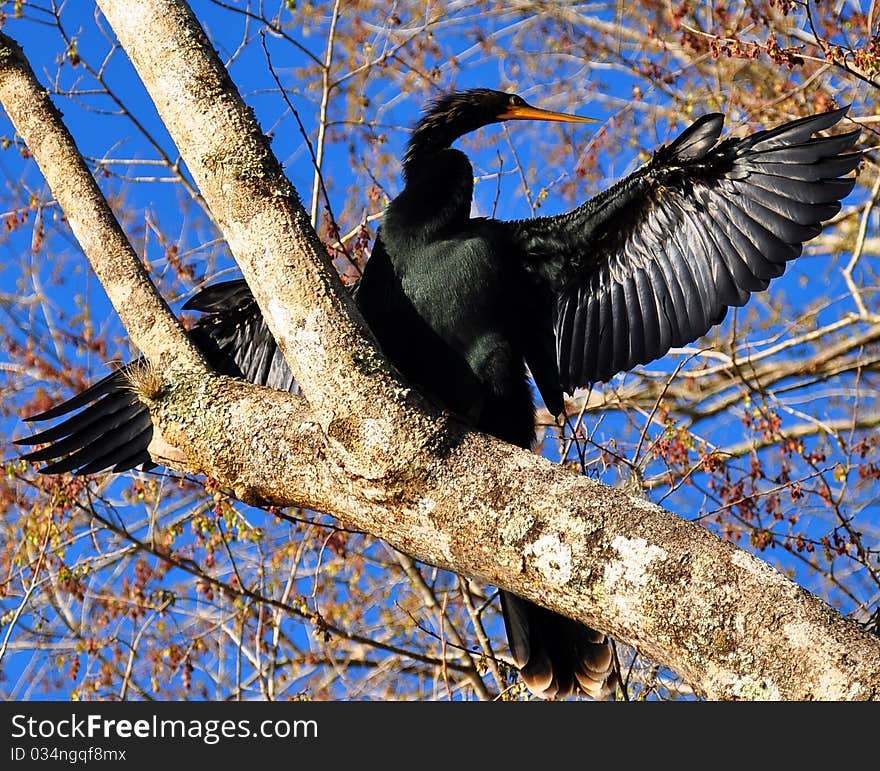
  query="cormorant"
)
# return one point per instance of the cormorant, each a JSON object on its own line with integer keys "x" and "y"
{"x": 463, "y": 305}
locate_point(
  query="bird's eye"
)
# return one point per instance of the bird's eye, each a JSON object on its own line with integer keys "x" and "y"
{"x": 516, "y": 101}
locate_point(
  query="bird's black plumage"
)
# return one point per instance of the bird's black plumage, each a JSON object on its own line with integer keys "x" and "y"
{"x": 461, "y": 305}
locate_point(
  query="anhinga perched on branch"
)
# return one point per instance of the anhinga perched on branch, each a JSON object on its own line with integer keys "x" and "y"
{"x": 462, "y": 305}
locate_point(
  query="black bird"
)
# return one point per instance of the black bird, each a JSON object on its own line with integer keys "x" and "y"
{"x": 463, "y": 305}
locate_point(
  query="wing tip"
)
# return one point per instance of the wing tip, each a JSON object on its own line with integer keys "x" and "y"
{"x": 696, "y": 140}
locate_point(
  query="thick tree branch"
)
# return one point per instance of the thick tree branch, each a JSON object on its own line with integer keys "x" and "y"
{"x": 355, "y": 395}
{"x": 251, "y": 200}
{"x": 720, "y": 617}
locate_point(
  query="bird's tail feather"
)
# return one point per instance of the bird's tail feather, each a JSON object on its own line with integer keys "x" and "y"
{"x": 557, "y": 656}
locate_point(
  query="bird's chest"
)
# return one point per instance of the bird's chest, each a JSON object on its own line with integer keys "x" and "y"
{"x": 458, "y": 288}
{"x": 446, "y": 314}
{"x": 441, "y": 311}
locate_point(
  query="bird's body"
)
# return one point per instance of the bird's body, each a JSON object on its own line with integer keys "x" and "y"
{"x": 461, "y": 305}
{"x": 443, "y": 294}
{"x": 444, "y": 308}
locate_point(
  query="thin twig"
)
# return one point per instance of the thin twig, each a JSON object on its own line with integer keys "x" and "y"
{"x": 857, "y": 252}
{"x": 326, "y": 89}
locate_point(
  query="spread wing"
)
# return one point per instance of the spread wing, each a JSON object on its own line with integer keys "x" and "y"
{"x": 655, "y": 261}
{"x": 113, "y": 429}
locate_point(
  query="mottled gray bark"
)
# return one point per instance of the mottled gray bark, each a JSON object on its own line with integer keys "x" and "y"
{"x": 733, "y": 626}
{"x": 365, "y": 449}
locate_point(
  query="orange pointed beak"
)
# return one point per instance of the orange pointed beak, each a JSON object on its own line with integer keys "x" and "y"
{"x": 527, "y": 112}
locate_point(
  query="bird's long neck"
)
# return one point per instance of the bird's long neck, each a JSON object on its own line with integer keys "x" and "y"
{"x": 433, "y": 134}
{"x": 439, "y": 185}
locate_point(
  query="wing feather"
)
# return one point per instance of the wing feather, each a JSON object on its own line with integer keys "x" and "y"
{"x": 605, "y": 352}
{"x": 656, "y": 260}
{"x": 620, "y": 330}
{"x": 636, "y": 328}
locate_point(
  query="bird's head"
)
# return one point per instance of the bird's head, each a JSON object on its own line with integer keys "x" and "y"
{"x": 455, "y": 114}
{"x": 469, "y": 110}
